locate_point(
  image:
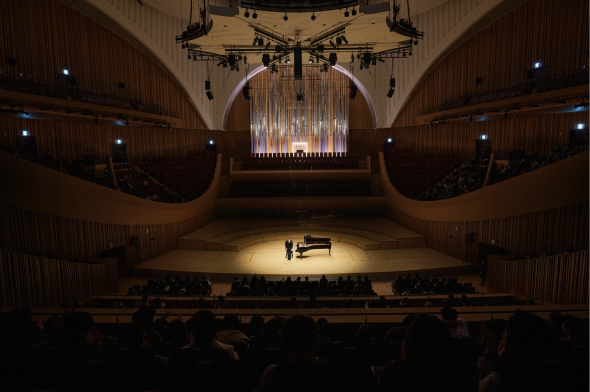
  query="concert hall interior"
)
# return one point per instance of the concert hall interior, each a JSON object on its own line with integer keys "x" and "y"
{"x": 294, "y": 195}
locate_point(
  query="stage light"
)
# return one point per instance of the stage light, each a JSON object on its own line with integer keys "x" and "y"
{"x": 245, "y": 60}
{"x": 25, "y": 133}
{"x": 231, "y": 59}
{"x": 374, "y": 61}
{"x": 367, "y": 59}
{"x": 580, "y": 126}
{"x": 255, "y": 41}
{"x": 246, "y": 93}
{"x": 209, "y": 95}
{"x": 390, "y": 93}
{"x": 333, "y": 44}
{"x": 260, "y": 41}
{"x": 416, "y": 42}
{"x": 346, "y": 13}
{"x": 325, "y": 67}
{"x": 389, "y": 140}
{"x": 183, "y": 46}
{"x": 404, "y": 54}
{"x": 310, "y": 60}
{"x": 537, "y": 65}
{"x": 354, "y": 12}
{"x": 392, "y": 83}
{"x": 313, "y": 17}
{"x": 484, "y": 137}
{"x": 189, "y": 56}
{"x": 344, "y": 39}
{"x": 391, "y": 88}
{"x": 224, "y": 64}
{"x": 273, "y": 68}
{"x": 288, "y": 61}
{"x": 410, "y": 53}
{"x": 285, "y": 18}
{"x": 254, "y": 15}
{"x": 338, "y": 41}
{"x": 210, "y": 141}
{"x": 119, "y": 141}
{"x": 207, "y": 85}
{"x": 66, "y": 72}
{"x": 194, "y": 57}
{"x": 246, "y": 14}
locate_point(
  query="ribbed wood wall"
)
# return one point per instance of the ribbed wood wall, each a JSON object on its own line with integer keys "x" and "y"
{"x": 65, "y": 140}
{"x": 552, "y": 32}
{"x": 36, "y": 281}
{"x": 561, "y": 279}
{"x": 47, "y": 37}
{"x": 59, "y": 235}
{"x": 533, "y": 133}
{"x": 238, "y": 118}
{"x": 544, "y": 230}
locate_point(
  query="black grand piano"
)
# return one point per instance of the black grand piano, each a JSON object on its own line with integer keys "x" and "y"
{"x": 311, "y": 243}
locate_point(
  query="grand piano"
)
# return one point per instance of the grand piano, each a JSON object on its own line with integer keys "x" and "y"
{"x": 312, "y": 243}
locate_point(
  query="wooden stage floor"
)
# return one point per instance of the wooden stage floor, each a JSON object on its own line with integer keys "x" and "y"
{"x": 268, "y": 259}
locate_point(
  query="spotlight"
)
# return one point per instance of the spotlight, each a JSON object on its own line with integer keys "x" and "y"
{"x": 410, "y": 53}
{"x": 391, "y": 88}
{"x": 285, "y": 18}
{"x": 333, "y": 59}
{"x": 404, "y": 54}
{"x": 245, "y": 60}
{"x": 354, "y": 12}
{"x": 346, "y": 13}
{"x": 246, "y": 14}
{"x": 231, "y": 59}
{"x": 209, "y": 95}
{"x": 344, "y": 39}
{"x": 25, "y": 133}
{"x": 392, "y": 83}
{"x": 194, "y": 57}
{"x": 254, "y": 15}
{"x": 246, "y": 93}
{"x": 224, "y": 64}
{"x": 273, "y": 68}
{"x": 183, "y": 46}
{"x": 390, "y": 93}
{"x": 325, "y": 67}
{"x": 367, "y": 59}
{"x": 288, "y": 61}
{"x": 310, "y": 60}
{"x": 207, "y": 85}
{"x": 352, "y": 58}
{"x": 431, "y": 123}
{"x": 389, "y": 140}
{"x": 313, "y": 17}
{"x": 255, "y": 41}
{"x": 119, "y": 141}
{"x": 260, "y": 41}
{"x": 416, "y": 42}
{"x": 169, "y": 127}
{"x": 338, "y": 41}
{"x": 189, "y": 56}
{"x": 333, "y": 45}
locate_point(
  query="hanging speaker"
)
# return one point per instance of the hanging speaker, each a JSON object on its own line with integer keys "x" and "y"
{"x": 207, "y": 85}
{"x": 353, "y": 90}
{"x": 246, "y": 92}
{"x": 297, "y": 52}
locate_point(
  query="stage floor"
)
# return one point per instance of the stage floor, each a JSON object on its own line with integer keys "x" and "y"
{"x": 268, "y": 258}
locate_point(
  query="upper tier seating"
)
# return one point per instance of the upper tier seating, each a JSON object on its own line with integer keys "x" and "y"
{"x": 308, "y": 161}
{"x": 130, "y": 180}
{"x": 411, "y": 173}
{"x": 301, "y": 187}
{"x": 470, "y": 176}
{"x": 188, "y": 175}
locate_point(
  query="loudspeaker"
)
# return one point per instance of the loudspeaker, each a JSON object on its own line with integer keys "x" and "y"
{"x": 353, "y": 90}
{"x": 298, "y": 63}
{"x": 246, "y": 92}
{"x": 207, "y": 85}
{"x": 121, "y": 85}
{"x": 470, "y": 238}
{"x": 209, "y": 95}
{"x": 133, "y": 240}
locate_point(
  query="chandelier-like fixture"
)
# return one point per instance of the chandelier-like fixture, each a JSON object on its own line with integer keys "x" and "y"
{"x": 289, "y": 114}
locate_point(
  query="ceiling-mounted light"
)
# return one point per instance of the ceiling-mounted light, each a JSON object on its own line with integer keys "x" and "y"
{"x": 310, "y": 60}
{"x": 404, "y": 54}
{"x": 266, "y": 59}
{"x": 288, "y": 61}
{"x": 261, "y": 41}
{"x": 338, "y": 41}
{"x": 254, "y": 15}
{"x": 194, "y": 57}
{"x": 189, "y": 56}
{"x": 325, "y": 67}
{"x": 367, "y": 59}
{"x": 246, "y": 14}
{"x": 352, "y": 58}
{"x": 354, "y": 12}
{"x": 416, "y": 42}
{"x": 391, "y": 88}
{"x": 183, "y": 46}
{"x": 410, "y": 53}
{"x": 285, "y": 18}
{"x": 209, "y": 95}
{"x": 344, "y": 39}
{"x": 255, "y": 41}
{"x": 313, "y": 17}
{"x": 245, "y": 60}
{"x": 333, "y": 44}
{"x": 346, "y": 13}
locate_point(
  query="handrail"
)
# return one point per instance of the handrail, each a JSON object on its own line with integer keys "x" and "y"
{"x": 50, "y": 255}
{"x": 551, "y": 252}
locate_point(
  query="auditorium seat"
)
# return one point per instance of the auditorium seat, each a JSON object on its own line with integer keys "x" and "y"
{"x": 301, "y": 187}
{"x": 309, "y": 161}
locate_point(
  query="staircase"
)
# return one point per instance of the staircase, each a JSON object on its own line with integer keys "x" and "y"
{"x": 224, "y": 185}
{"x": 376, "y": 184}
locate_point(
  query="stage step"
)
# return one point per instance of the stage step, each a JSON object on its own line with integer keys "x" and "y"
{"x": 224, "y": 186}
{"x": 376, "y": 185}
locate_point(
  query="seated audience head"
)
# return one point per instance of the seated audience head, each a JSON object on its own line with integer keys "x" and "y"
{"x": 449, "y": 314}
{"x": 203, "y": 327}
{"x": 75, "y": 328}
{"x": 428, "y": 338}
{"x": 256, "y": 325}
{"x": 231, "y": 321}
{"x": 572, "y": 326}
{"x": 177, "y": 332}
{"x": 525, "y": 333}
{"x": 409, "y": 319}
{"x": 300, "y": 337}
{"x": 365, "y": 335}
{"x": 397, "y": 334}
{"x": 131, "y": 335}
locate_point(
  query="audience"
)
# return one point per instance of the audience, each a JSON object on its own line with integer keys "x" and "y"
{"x": 203, "y": 327}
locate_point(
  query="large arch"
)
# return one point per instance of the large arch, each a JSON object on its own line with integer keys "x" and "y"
{"x": 261, "y": 68}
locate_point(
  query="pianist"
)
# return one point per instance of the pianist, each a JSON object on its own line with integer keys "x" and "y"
{"x": 289, "y": 249}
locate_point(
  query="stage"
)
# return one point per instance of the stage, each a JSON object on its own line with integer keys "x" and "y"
{"x": 227, "y": 248}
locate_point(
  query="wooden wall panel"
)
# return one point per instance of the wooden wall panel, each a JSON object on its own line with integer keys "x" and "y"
{"x": 553, "y": 32}
{"x": 36, "y": 281}
{"x": 359, "y": 115}
{"x": 551, "y": 229}
{"x": 64, "y": 140}
{"x": 238, "y": 118}
{"x": 561, "y": 279}
{"x": 47, "y": 37}
{"x": 533, "y": 133}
